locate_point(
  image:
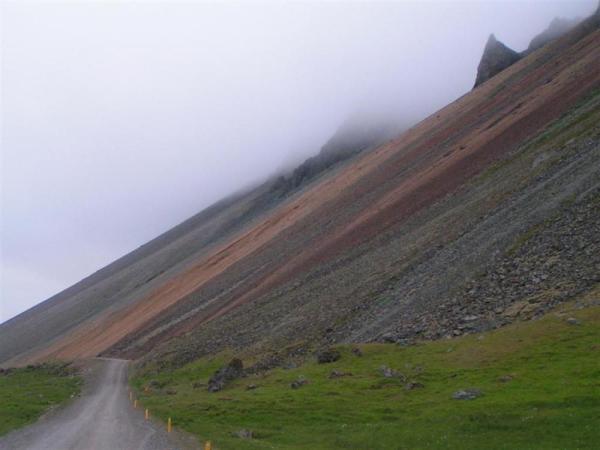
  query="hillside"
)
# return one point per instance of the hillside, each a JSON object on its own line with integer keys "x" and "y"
{"x": 131, "y": 277}
{"x": 532, "y": 384}
{"x": 484, "y": 213}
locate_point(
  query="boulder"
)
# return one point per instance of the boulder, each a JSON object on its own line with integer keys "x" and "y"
{"x": 467, "y": 394}
{"x": 225, "y": 374}
{"x": 328, "y": 355}
{"x": 243, "y": 434}
{"x": 388, "y": 372}
{"x": 505, "y": 378}
{"x": 339, "y": 374}
{"x": 301, "y": 381}
{"x": 156, "y": 384}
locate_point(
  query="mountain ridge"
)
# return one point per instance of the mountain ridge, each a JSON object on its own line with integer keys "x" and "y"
{"x": 371, "y": 247}
{"x": 497, "y": 56}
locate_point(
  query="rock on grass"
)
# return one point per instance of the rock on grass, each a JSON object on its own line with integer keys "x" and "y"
{"x": 231, "y": 371}
{"x": 328, "y": 355}
{"x": 467, "y": 394}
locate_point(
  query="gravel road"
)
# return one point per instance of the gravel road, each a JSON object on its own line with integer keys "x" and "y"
{"x": 101, "y": 419}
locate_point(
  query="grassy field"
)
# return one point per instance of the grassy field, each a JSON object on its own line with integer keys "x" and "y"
{"x": 26, "y": 393}
{"x": 540, "y": 384}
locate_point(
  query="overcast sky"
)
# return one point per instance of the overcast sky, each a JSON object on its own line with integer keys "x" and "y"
{"x": 120, "y": 120}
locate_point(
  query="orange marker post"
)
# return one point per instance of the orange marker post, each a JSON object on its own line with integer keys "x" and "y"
{"x": 135, "y": 403}
{"x": 207, "y": 445}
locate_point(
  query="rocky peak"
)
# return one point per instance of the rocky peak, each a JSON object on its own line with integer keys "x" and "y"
{"x": 496, "y": 57}
{"x": 556, "y": 29}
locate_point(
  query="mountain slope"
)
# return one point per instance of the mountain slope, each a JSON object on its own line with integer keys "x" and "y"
{"x": 394, "y": 244}
{"x": 408, "y": 228}
{"x": 112, "y": 289}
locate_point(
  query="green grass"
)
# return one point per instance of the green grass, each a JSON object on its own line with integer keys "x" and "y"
{"x": 26, "y": 393}
{"x": 553, "y": 400}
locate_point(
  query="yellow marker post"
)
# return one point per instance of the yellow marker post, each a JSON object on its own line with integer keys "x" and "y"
{"x": 207, "y": 445}
{"x": 146, "y": 415}
{"x": 135, "y": 403}
{"x": 169, "y": 425}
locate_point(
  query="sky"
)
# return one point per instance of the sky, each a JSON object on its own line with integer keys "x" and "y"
{"x": 119, "y": 120}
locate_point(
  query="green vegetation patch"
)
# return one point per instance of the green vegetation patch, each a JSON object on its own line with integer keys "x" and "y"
{"x": 26, "y": 393}
{"x": 539, "y": 385}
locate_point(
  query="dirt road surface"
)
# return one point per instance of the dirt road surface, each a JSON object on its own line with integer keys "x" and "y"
{"x": 101, "y": 419}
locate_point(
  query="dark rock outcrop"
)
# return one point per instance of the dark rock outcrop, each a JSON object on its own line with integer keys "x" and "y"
{"x": 231, "y": 371}
{"x": 556, "y": 29}
{"x": 496, "y": 57}
{"x": 355, "y": 135}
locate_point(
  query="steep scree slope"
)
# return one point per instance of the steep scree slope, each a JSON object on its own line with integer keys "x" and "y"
{"x": 112, "y": 289}
{"x": 378, "y": 248}
{"x": 403, "y": 231}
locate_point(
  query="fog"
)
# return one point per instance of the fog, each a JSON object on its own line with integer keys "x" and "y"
{"x": 120, "y": 120}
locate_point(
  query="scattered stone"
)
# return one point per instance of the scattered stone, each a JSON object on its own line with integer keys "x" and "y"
{"x": 339, "y": 374}
{"x": 388, "y": 337}
{"x": 301, "y": 381}
{"x": 413, "y": 385}
{"x": 290, "y": 365}
{"x": 573, "y": 321}
{"x": 388, "y": 372}
{"x": 231, "y": 371}
{"x": 155, "y": 384}
{"x": 328, "y": 356}
{"x": 198, "y": 384}
{"x": 243, "y": 434}
{"x": 505, "y": 378}
{"x": 523, "y": 308}
{"x": 357, "y": 351}
{"x": 251, "y": 387}
{"x": 467, "y": 394}
{"x": 171, "y": 392}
